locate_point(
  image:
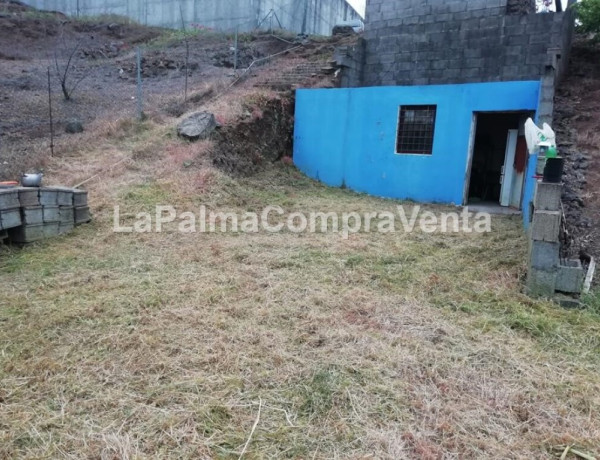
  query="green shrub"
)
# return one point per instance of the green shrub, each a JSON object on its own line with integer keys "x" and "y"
{"x": 588, "y": 13}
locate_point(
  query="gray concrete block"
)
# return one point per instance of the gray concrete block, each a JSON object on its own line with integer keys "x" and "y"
{"x": 26, "y": 234}
{"x": 33, "y": 215}
{"x": 48, "y": 197}
{"x": 82, "y": 215}
{"x": 547, "y": 196}
{"x": 541, "y": 283}
{"x": 570, "y": 277}
{"x": 64, "y": 196}
{"x": 544, "y": 255}
{"x": 65, "y": 227}
{"x": 51, "y": 214}
{"x": 10, "y": 218}
{"x": 51, "y": 229}
{"x": 29, "y": 196}
{"x": 9, "y": 199}
{"x": 66, "y": 214}
{"x": 546, "y": 226}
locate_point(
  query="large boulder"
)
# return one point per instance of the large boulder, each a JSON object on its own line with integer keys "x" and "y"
{"x": 199, "y": 125}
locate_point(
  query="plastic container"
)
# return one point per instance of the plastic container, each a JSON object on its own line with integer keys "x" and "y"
{"x": 553, "y": 171}
{"x": 552, "y": 152}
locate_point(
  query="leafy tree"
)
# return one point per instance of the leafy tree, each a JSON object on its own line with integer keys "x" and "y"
{"x": 588, "y": 13}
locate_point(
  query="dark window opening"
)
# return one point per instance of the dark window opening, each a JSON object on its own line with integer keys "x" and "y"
{"x": 416, "y": 125}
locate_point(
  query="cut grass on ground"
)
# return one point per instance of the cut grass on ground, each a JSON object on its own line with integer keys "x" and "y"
{"x": 396, "y": 346}
{"x": 167, "y": 345}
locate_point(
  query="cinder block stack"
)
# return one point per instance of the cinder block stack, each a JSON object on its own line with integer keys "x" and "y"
{"x": 32, "y": 214}
{"x": 547, "y": 273}
{"x": 10, "y": 214}
{"x": 80, "y": 207}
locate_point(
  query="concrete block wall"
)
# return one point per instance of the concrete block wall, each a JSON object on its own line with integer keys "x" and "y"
{"x": 313, "y": 17}
{"x": 547, "y": 273}
{"x": 351, "y": 59}
{"x": 423, "y": 42}
{"x": 31, "y": 214}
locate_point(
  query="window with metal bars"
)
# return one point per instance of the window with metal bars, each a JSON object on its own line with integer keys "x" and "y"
{"x": 416, "y": 125}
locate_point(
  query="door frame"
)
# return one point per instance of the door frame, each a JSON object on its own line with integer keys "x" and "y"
{"x": 471, "y": 151}
{"x": 507, "y": 176}
{"x": 470, "y": 159}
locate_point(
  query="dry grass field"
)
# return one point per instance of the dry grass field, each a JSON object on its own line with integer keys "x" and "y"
{"x": 170, "y": 345}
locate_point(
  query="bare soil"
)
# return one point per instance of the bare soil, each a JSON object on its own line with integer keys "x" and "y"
{"x": 264, "y": 136}
{"x": 104, "y": 68}
{"x": 577, "y": 123}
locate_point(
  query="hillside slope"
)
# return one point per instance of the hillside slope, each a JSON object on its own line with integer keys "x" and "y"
{"x": 577, "y": 124}
{"x": 102, "y": 56}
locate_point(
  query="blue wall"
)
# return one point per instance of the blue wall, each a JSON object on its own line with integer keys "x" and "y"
{"x": 348, "y": 136}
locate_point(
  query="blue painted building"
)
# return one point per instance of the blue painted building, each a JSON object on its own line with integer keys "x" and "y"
{"x": 436, "y": 118}
{"x": 351, "y": 139}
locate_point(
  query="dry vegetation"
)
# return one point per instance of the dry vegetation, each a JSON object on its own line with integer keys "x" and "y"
{"x": 381, "y": 346}
{"x": 122, "y": 346}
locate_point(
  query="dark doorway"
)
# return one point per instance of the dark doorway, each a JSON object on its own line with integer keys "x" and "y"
{"x": 490, "y": 155}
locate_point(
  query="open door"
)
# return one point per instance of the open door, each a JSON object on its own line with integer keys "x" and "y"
{"x": 496, "y": 169}
{"x": 507, "y": 175}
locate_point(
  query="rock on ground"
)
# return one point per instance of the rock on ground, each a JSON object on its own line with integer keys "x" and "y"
{"x": 199, "y": 125}
{"x": 73, "y": 127}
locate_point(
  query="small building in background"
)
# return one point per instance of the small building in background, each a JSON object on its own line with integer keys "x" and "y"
{"x": 433, "y": 102}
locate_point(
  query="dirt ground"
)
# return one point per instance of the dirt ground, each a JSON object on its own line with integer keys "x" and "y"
{"x": 577, "y": 123}
{"x": 104, "y": 70}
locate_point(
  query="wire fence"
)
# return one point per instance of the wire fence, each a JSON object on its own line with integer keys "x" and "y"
{"x": 82, "y": 78}
{"x": 60, "y": 75}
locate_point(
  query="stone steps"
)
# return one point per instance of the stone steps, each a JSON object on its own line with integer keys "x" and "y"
{"x": 299, "y": 74}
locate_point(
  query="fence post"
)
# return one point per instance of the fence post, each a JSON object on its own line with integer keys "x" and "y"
{"x": 138, "y": 56}
{"x": 50, "y": 114}
{"x": 235, "y": 58}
